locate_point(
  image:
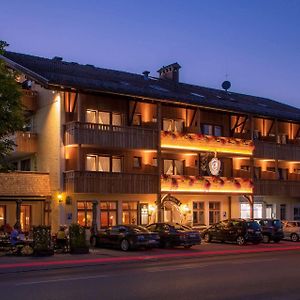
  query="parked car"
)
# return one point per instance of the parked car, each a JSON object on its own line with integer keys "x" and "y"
{"x": 291, "y": 230}
{"x": 200, "y": 228}
{"x": 271, "y": 230}
{"x": 125, "y": 237}
{"x": 240, "y": 231}
{"x": 174, "y": 234}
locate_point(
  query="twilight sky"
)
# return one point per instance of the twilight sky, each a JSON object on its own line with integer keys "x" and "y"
{"x": 255, "y": 42}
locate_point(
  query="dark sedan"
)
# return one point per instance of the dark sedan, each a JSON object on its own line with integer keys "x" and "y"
{"x": 235, "y": 230}
{"x": 174, "y": 234}
{"x": 125, "y": 237}
{"x": 271, "y": 230}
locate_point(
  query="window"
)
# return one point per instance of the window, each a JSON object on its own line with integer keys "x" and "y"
{"x": 129, "y": 212}
{"x": 154, "y": 162}
{"x": 282, "y": 212}
{"x": 2, "y": 215}
{"x": 296, "y": 213}
{"x": 245, "y": 168}
{"x": 103, "y": 117}
{"x": 271, "y": 169}
{"x": 25, "y": 217}
{"x": 91, "y": 116}
{"x": 257, "y": 172}
{"x": 108, "y": 213}
{"x": 214, "y": 212}
{"x": 245, "y": 210}
{"x": 198, "y": 213}
{"x": 103, "y": 163}
{"x": 173, "y": 125}
{"x": 137, "y": 120}
{"x": 144, "y": 214}
{"x": 137, "y": 162}
{"x": 85, "y": 213}
{"x": 25, "y": 165}
{"x": 173, "y": 167}
{"x": 210, "y": 129}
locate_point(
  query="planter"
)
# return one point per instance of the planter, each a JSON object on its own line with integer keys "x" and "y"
{"x": 42, "y": 242}
{"x": 78, "y": 243}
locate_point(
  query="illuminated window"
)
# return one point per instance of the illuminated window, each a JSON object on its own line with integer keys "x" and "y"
{"x": 173, "y": 167}
{"x": 210, "y": 129}
{"x": 214, "y": 212}
{"x": 116, "y": 165}
{"x": 108, "y": 213}
{"x": 25, "y": 217}
{"x": 2, "y": 215}
{"x": 137, "y": 162}
{"x": 104, "y": 163}
{"x": 129, "y": 212}
{"x": 85, "y": 213}
{"x": 198, "y": 213}
{"x": 104, "y": 117}
{"x": 91, "y": 163}
{"x": 137, "y": 120}
{"x": 91, "y": 116}
{"x": 116, "y": 119}
{"x": 176, "y": 125}
{"x": 245, "y": 210}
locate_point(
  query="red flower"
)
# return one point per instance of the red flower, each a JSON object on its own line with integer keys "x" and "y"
{"x": 174, "y": 183}
{"x": 207, "y": 184}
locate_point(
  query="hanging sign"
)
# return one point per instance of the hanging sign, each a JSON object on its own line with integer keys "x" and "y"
{"x": 214, "y": 166}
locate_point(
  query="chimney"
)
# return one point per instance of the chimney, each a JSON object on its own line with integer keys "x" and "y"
{"x": 146, "y": 75}
{"x": 170, "y": 72}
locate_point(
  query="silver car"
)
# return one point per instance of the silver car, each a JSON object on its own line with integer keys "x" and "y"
{"x": 291, "y": 230}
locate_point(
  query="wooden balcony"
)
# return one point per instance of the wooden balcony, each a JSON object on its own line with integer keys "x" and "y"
{"x": 200, "y": 142}
{"x": 270, "y": 150}
{"x": 277, "y": 188}
{"x": 26, "y": 143}
{"x": 110, "y": 136}
{"x": 29, "y": 100}
{"x": 107, "y": 183}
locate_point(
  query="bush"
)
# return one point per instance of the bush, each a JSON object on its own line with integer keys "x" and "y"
{"x": 42, "y": 243}
{"x": 77, "y": 239}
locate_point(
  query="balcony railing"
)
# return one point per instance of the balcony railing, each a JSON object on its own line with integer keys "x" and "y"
{"x": 110, "y": 136}
{"x": 26, "y": 142}
{"x": 200, "y": 142}
{"x": 277, "y": 188}
{"x": 29, "y": 100}
{"x": 206, "y": 185}
{"x": 270, "y": 150}
{"x": 107, "y": 183}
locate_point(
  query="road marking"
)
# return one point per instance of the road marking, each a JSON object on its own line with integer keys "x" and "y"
{"x": 174, "y": 268}
{"x": 61, "y": 280}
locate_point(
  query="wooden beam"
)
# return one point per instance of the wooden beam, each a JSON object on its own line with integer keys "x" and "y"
{"x": 271, "y": 127}
{"x": 133, "y": 112}
{"x": 75, "y": 101}
{"x": 244, "y": 124}
{"x": 193, "y": 118}
{"x": 235, "y": 125}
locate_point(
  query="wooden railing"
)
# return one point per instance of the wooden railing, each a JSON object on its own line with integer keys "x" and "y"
{"x": 26, "y": 142}
{"x": 107, "y": 183}
{"x": 110, "y": 136}
{"x": 277, "y": 188}
{"x": 270, "y": 150}
{"x": 29, "y": 100}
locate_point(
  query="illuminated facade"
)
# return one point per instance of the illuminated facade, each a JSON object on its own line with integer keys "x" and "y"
{"x": 128, "y": 148}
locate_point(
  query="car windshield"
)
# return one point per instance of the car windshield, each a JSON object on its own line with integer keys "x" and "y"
{"x": 253, "y": 225}
{"x": 180, "y": 227}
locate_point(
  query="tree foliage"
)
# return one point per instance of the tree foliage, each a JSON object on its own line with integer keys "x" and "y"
{"x": 11, "y": 112}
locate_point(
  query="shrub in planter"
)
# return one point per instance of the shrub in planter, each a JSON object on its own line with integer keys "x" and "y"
{"x": 42, "y": 243}
{"x": 78, "y": 243}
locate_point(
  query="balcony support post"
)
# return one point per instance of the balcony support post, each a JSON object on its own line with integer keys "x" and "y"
{"x": 79, "y": 157}
{"x": 94, "y": 220}
{"x": 18, "y": 213}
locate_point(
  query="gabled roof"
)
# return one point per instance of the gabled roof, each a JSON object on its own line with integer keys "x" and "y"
{"x": 55, "y": 72}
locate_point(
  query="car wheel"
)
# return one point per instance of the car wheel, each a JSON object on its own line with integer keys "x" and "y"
{"x": 240, "y": 240}
{"x": 188, "y": 246}
{"x": 93, "y": 241}
{"x": 266, "y": 239}
{"x": 207, "y": 238}
{"x": 294, "y": 237}
{"x": 125, "y": 245}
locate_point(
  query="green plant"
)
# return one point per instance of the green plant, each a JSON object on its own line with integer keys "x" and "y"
{"x": 42, "y": 240}
{"x": 77, "y": 237}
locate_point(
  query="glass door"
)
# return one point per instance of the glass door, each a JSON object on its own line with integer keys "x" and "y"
{"x": 25, "y": 217}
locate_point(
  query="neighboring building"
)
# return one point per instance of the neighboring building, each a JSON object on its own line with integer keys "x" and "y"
{"x": 118, "y": 147}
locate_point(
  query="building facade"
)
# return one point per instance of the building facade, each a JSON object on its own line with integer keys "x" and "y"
{"x": 112, "y": 147}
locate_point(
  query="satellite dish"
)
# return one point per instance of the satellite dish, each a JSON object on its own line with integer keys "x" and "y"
{"x": 226, "y": 85}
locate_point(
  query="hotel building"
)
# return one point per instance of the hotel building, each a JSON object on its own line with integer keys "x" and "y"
{"x": 103, "y": 147}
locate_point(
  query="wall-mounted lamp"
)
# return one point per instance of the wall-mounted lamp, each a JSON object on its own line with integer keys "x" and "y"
{"x": 151, "y": 209}
{"x": 59, "y": 197}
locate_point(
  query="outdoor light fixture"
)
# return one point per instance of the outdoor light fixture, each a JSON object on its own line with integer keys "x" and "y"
{"x": 151, "y": 209}
{"x": 59, "y": 197}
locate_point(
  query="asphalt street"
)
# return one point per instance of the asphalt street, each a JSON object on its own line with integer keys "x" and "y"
{"x": 257, "y": 276}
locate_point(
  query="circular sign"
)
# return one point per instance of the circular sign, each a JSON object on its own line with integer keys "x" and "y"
{"x": 214, "y": 166}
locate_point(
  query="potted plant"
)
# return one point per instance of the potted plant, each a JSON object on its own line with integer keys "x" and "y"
{"x": 78, "y": 243}
{"x": 42, "y": 243}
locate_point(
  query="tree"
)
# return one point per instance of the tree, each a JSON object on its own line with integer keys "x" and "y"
{"x": 11, "y": 111}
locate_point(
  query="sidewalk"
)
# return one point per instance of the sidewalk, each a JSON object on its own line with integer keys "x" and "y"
{"x": 110, "y": 256}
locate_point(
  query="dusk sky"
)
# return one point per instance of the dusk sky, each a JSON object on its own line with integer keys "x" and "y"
{"x": 257, "y": 42}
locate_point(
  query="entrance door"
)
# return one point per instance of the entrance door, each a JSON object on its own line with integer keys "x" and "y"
{"x": 25, "y": 217}
{"x": 172, "y": 212}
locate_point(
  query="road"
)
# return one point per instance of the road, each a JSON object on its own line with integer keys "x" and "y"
{"x": 245, "y": 276}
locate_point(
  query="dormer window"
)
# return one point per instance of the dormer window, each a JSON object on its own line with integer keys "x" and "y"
{"x": 174, "y": 125}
